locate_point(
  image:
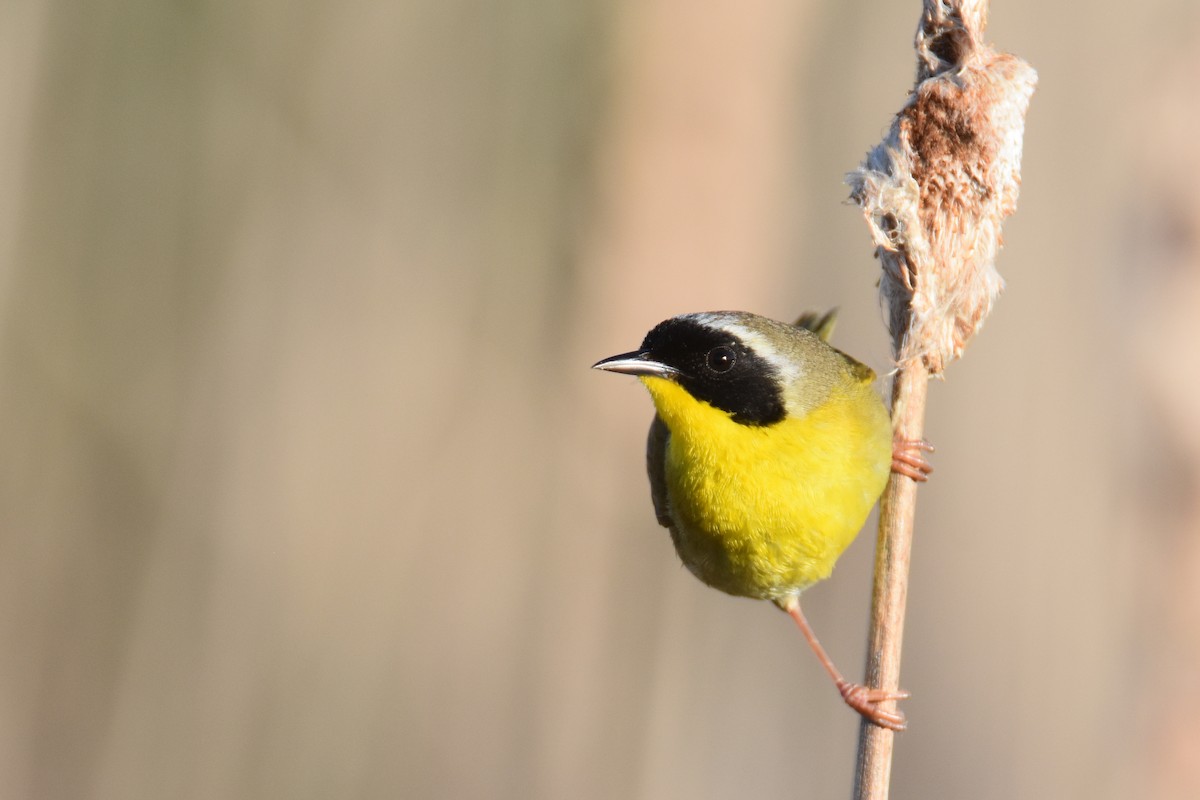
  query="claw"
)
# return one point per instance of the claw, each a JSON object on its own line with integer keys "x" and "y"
{"x": 908, "y": 461}
{"x": 865, "y": 701}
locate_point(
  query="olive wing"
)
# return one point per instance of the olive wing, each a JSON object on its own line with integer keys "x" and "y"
{"x": 656, "y": 468}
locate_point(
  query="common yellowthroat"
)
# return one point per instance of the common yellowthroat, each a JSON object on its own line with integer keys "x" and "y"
{"x": 768, "y": 449}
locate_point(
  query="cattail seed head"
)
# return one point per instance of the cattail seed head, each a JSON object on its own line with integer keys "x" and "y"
{"x": 935, "y": 191}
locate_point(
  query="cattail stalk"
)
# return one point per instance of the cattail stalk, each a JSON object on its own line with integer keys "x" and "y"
{"x": 934, "y": 193}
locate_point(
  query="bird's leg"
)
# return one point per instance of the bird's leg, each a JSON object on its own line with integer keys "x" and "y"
{"x": 907, "y": 458}
{"x": 862, "y": 699}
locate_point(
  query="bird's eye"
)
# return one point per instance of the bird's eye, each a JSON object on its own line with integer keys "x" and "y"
{"x": 721, "y": 359}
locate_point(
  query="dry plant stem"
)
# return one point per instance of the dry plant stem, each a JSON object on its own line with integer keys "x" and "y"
{"x": 890, "y": 593}
{"x": 934, "y": 194}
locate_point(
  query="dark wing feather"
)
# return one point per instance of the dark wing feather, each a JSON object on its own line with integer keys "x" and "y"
{"x": 656, "y": 468}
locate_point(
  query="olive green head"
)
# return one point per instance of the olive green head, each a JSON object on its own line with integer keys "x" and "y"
{"x": 757, "y": 370}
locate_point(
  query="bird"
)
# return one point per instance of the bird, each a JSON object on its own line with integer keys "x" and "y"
{"x": 767, "y": 451}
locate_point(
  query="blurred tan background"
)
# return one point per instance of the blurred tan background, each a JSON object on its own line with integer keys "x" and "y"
{"x": 306, "y": 490}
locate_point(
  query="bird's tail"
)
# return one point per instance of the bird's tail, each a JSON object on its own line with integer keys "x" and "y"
{"x": 820, "y": 324}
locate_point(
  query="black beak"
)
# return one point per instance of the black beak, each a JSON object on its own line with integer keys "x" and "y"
{"x": 636, "y": 363}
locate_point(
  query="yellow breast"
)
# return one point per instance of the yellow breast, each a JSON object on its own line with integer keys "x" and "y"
{"x": 765, "y": 511}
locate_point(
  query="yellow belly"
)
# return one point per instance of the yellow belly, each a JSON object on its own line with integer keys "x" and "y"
{"x": 766, "y": 511}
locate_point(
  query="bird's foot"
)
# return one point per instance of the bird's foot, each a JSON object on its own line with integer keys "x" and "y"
{"x": 866, "y": 702}
{"x": 907, "y": 458}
